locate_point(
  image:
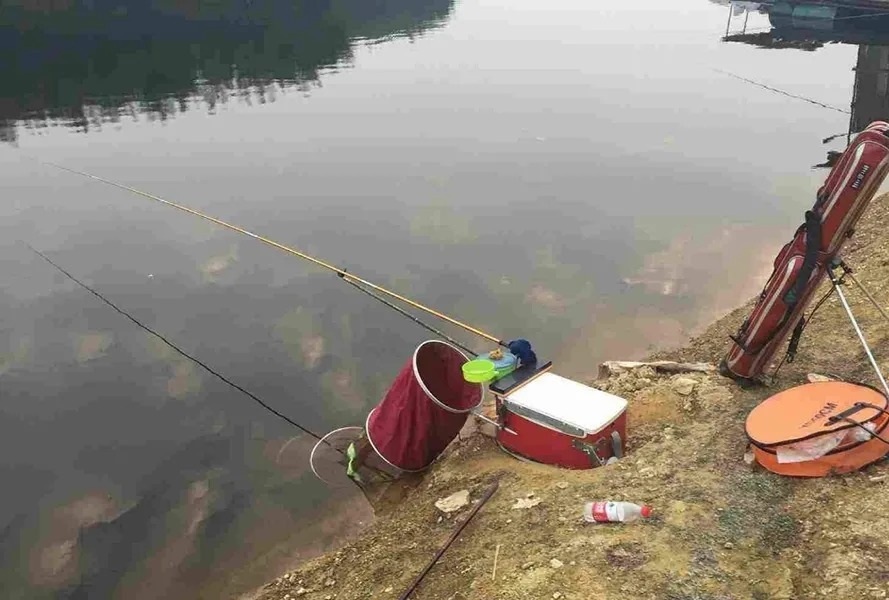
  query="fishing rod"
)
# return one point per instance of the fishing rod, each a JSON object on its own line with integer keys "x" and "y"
{"x": 413, "y": 318}
{"x": 179, "y": 350}
{"x": 341, "y": 272}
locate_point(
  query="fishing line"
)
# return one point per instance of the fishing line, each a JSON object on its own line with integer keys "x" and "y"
{"x": 343, "y": 274}
{"x": 179, "y": 350}
{"x": 782, "y": 92}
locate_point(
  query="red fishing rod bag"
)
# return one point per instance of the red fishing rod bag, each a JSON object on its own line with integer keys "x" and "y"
{"x": 802, "y": 263}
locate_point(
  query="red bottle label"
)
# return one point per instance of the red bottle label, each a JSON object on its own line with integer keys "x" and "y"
{"x": 600, "y": 513}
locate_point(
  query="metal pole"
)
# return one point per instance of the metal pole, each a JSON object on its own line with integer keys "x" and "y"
{"x": 869, "y": 296}
{"x": 870, "y": 356}
{"x": 729, "y": 21}
{"x": 490, "y": 421}
{"x": 746, "y": 16}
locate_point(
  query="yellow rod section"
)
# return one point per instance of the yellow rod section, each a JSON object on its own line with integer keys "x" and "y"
{"x": 288, "y": 249}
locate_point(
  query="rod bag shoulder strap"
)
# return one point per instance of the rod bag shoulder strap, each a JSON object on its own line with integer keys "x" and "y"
{"x": 810, "y": 260}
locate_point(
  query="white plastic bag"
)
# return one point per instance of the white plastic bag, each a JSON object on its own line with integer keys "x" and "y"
{"x": 821, "y": 445}
{"x": 809, "y": 449}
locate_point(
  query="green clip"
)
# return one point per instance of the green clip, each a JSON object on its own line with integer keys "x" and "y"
{"x": 352, "y": 454}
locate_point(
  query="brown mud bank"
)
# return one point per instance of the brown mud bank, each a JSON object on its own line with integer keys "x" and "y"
{"x": 722, "y": 529}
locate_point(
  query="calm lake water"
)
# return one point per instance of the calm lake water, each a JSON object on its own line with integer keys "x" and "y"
{"x": 582, "y": 174}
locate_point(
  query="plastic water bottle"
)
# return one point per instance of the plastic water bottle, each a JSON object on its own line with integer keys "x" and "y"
{"x": 614, "y": 512}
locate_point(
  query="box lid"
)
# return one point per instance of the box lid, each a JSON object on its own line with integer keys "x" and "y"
{"x": 566, "y": 405}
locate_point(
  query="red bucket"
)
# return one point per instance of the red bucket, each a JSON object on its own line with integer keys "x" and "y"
{"x": 424, "y": 409}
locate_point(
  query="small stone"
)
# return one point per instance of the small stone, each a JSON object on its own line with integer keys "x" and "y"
{"x": 572, "y": 563}
{"x": 454, "y": 502}
{"x": 526, "y": 503}
{"x": 728, "y": 546}
{"x": 557, "y": 595}
{"x": 556, "y": 563}
{"x": 529, "y": 495}
{"x": 328, "y": 597}
{"x": 684, "y": 385}
{"x": 302, "y": 591}
{"x": 329, "y": 583}
{"x": 508, "y": 521}
{"x": 528, "y": 565}
{"x": 389, "y": 589}
{"x": 562, "y": 485}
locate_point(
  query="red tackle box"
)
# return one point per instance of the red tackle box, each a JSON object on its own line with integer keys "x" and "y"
{"x": 558, "y": 421}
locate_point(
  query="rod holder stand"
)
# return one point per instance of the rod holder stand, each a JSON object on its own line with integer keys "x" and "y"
{"x": 837, "y": 287}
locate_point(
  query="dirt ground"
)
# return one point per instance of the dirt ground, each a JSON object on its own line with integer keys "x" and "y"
{"x": 722, "y": 529}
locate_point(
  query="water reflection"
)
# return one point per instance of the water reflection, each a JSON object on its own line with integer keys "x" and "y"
{"x": 150, "y": 479}
{"x": 90, "y": 62}
{"x": 809, "y": 26}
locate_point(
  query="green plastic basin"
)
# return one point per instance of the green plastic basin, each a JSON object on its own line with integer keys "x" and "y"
{"x": 479, "y": 371}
